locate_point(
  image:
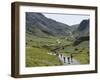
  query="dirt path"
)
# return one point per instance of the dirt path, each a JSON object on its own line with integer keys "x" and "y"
{"x": 66, "y": 62}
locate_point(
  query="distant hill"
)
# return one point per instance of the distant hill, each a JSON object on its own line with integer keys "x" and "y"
{"x": 39, "y": 25}
{"x": 82, "y": 32}
{"x": 74, "y": 27}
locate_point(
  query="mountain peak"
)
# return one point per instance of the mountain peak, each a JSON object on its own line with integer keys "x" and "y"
{"x": 84, "y": 24}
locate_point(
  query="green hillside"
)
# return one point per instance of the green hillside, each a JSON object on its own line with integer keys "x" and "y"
{"x": 37, "y": 50}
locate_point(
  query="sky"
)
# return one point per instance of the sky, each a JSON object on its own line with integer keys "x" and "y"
{"x": 69, "y": 19}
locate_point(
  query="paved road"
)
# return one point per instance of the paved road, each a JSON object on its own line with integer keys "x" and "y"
{"x": 74, "y": 61}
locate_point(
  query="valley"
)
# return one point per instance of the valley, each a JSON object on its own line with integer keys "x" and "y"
{"x": 46, "y": 39}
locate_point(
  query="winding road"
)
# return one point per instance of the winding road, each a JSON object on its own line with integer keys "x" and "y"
{"x": 66, "y": 62}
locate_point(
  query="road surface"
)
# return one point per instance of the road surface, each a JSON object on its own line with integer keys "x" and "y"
{"x": 66, "y": 62}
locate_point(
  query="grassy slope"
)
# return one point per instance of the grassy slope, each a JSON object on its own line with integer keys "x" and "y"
{"x": 80, "y": 52}
{"x": 37, "y": 49}
{"x": 39, "y": 57}
{"x": 36, "y": 54}
{"x": 83, "y": 52}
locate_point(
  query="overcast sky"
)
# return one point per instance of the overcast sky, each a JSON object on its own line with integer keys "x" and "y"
{"x": 69, "y": 19}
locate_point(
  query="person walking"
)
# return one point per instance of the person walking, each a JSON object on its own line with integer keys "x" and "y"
{"x": 71, "y": 56}
{"x": 68, "y": 58}
{"x": 64, "y": 59}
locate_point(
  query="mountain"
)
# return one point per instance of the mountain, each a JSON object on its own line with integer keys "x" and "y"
{"x": 83, "y": 28}
{"x": 74, "y": 27}
{"x": 39, "y": 25}
{"x": 82, "y": 32}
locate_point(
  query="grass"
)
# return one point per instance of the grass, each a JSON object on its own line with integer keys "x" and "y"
{"x": 39, "y": 57}
{"x": 38, "y": 47}
{"x": 83, "y": 58}
{"x": 80, "y": 52}
{"x": 83, "y": 52}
